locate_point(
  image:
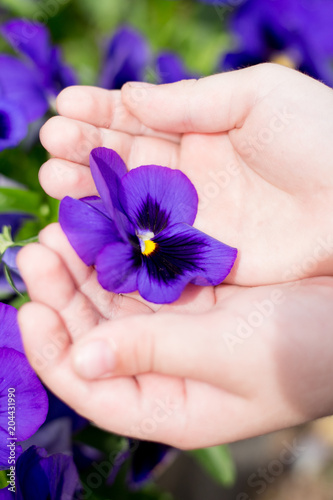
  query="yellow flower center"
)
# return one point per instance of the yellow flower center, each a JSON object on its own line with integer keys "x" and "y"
{"x": 284, "y": 60}
{"x": 149, "y": 247}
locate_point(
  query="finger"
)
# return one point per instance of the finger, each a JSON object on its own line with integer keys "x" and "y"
{"x": 108, "y": 304}
{"x": 208, "y": 105}
{"x": 121, "y": 405}
{"x": 61, "y": 178}
{"x": 73, "y": 140}
{"x": 170, "y": 344}
{"x": 105, "y": 109}
{"x": 49, "y": 282}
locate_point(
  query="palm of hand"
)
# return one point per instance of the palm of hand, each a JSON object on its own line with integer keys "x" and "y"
{"x": 178, "y": 353}
{"x": 257, "y": 190}
{"x": 170, "y": 359}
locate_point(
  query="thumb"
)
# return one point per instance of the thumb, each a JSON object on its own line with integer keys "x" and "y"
{"x": 214, "y": 104}
{"x": 141, "y": 344}
{"x": 171, "y": 344}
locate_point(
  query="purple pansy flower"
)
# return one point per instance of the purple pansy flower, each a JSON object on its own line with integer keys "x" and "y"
{"x": 170, "y": 68}
{"x": 291, "y": 32}
{"x": 27, "y": 86}
{"x": 14, "y": 220}
{"x": 32, "y": 40}
{"x": 16, "y": 374}
{"x": 126, "y": 59}
{"x": 139, "y": 233}
{"x": 147, "y": 458}
{"x": 13, "y": 125}
{"x": 43, "y": 477}
{"x": 144, "y": 458}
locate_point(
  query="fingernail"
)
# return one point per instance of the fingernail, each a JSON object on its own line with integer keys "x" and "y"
{"x": 94, "y": 359}
{"x": 140, "y": 85}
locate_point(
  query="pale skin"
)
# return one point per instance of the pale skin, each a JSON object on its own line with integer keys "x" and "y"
{"x": 250, "y": 356}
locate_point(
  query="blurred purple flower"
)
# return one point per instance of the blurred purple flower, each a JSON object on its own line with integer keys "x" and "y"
{"x": 43, "y": 477}
{"x": 144, "y": 458}
{"x": 291, "y": 32}
{"x": 26, "y": 86}
{"x": 14, "y": 220}
{"x": 170, "y": 68}
{"x": 32, "y": 40}
{"x": 126, "y": 59}
{"x": 13, "y": 125}
{"x": 139, "y": 234}
{"x": 15, "y": 373}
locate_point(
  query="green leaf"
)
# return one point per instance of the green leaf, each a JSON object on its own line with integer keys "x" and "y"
{"x": 19, "y": 200}
{"x": 20, "y": 300}
{"x": 218, "y": 462}
{"x": 3, "y": 479}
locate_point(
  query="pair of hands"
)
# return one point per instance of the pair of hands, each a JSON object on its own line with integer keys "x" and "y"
{"x": 250, "y": 356}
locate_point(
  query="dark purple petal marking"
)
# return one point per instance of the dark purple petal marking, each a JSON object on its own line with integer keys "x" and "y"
{"x": 87, "y": 228}
{"x": 155, "y": 197}
{"x": 117, "y": 267}
{"x": 183, "y": 254}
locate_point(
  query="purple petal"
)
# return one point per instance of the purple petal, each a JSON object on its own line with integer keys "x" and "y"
{"x": 145, "y": 459}
{"x": 61, "y": 75}
{"x": 46, "y": 477}
{"x": 170, "y": 68}
{"x": 5, "y": 494}
{"x": 31, "y": 399}
{"x": 107, "y": 169}
{"x": 183, "y": 255}
{"x": 10, "y": 335}
{"x": 9, "y": 258}
{"x": 87, "y": 227}
{"x": 126, "y": 59}
{"x": 117, "y": 267}
{"x": 21, "y": 85}
{"x": 155, "y": 197}
{"x": 30, "y": 38}
{"x": 13, "y": 125}
{"x": 14, "y": 220}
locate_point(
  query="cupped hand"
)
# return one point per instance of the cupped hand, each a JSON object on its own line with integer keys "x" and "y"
{"x": 208, "y": 369}
{"x": 256, "y": 143}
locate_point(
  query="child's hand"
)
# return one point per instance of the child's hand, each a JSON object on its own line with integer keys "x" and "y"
{"x": 256, "y": 143}
{"x": 205, "y": 370}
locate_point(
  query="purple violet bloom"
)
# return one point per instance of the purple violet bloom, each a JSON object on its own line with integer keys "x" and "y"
{"x": 170, "y": 68}
{"x": 145, "y": 458}
{"x": 14, "y": 220}
{"x": 43, "y": 477}
{"x": 127, "y": 58}
{"x": 32, "y": 40}
{"x": 298, "y": 34}
{"x": 16, "y": 375}
{"x": 13, "y": 125}
{"x": 139, "y": 233}
{"x": 26, "y": 86}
